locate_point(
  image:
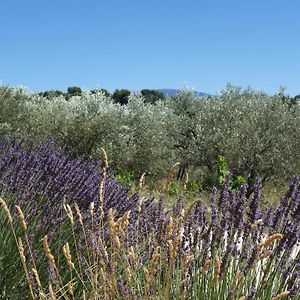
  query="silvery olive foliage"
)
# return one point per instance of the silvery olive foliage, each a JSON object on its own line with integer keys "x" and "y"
{"x": 258, "y": 134}
{"x": 12, "y": 113}
{"x": 135, "y": 136}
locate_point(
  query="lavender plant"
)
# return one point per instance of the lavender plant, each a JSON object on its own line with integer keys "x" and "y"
{"x": 231, "y": 249}
{"x": 40, "y": 179}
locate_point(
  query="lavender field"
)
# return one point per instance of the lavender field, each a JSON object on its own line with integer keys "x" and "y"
{"x": 70, "y": 231}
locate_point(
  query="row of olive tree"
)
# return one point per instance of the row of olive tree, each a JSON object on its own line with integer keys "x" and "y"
{"x": 119, "y": 96}
{"x": 257, "y": 133}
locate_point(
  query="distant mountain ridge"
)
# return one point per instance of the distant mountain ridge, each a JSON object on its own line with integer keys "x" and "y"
{"x": 172, "y": 92}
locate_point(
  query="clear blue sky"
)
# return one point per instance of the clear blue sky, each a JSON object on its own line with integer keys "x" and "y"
{"x": 139, "y": 44}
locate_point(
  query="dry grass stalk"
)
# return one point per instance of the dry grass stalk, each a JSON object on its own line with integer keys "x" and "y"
{"x": 169, "y": 229}
{"x": 21, "y": 250}
{"x": 133, "y": 254}
{"x": 147, "y": 281}
{"x": 69, "y": 212}
{"x": 169, "y": 178}
{"x": 173, "y": 249}
{"x": 23, "y": 260}
{"x": 92, "y": 208}
{"x": 186, "y": 261}
{"x": 83, "y": 295}
{"x": 21, "y": 217}
{"x": 103, "y": 279}
{"x": 186, "y": 181}
{"x": 128, "y": 274}
{"x": 122, "y": 223}
{"x": 281, "y": 295}
{"x": 206, "y": 266}
{"x": 51, "y": 292}
{"x": 217, "y": 271}
{"x": 67, "y": 253}
{"x": 113, "y": 230}
{"x": 238, "y": 276}
{"x": 255, "y": 224}
{"x": 269, "y": 240}
{"x": 48, "y": 253}
{"x": 6, "y": 210}
{"x": 79, "y": 215}
{"x": 141, "y": 181}
{"x": 149, "y": 274}
{"x": 265, "y": 254}
{"x": 42, "y": 296}
{"x": 37, "y": 278}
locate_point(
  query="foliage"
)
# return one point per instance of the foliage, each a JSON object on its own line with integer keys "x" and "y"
{"x": 189, "y": 189}
{"x": 152, "y": 96}
{"x": 257, "y": 133}
{"x": 74, "y": 91}
{"x": 125, "y": 177}
{"x": 223, "y": 173}
{"x": 121, "y": 96}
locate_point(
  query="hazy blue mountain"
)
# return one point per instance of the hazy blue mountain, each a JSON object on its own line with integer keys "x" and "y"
{"x": 172, "y": 92}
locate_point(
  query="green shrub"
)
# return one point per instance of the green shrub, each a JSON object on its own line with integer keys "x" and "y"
{"x": 257, "y": 133}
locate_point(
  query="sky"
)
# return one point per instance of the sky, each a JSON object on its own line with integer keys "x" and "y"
{"x": 136, "y": 44}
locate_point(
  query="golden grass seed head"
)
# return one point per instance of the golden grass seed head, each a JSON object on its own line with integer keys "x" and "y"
{"x": 110, "y": 217}
{"x": 21, "y": 250}
{"x": 67, "y": 253}
{"x": 91, "y": 208}
{"x": 269, "y": 240}
{"x": 255, "y": 224}
{"x": 281, "y": 295}
{"x": 132, "y": 254}
{"x": 79, "y": 215}
{"x": 237, "y": 277}
{"x": 141, "y": 181}
{"x": 186, "y": 181}
{"x": 155, "y": 256}
{"x": 217, "y": 267}
{"x": 216, "y": 271}
{"x": 37, "y": 277}
{"x": 169, "y": 228}
{"x": 6, "y": 210}
{"x": 69, "y": 212}
{"x": 123, "y": 221}
{"x": 206, "y": 266}
{"x": 51, "y": 292}
{"x": 128, "y": 274}
{"x": 21, "y": 217}
{"x": 116, "y": 242}
{"x": 48, "y": 252}
{"x": 265, "y": 254}
{"x": 105, "y": 158}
